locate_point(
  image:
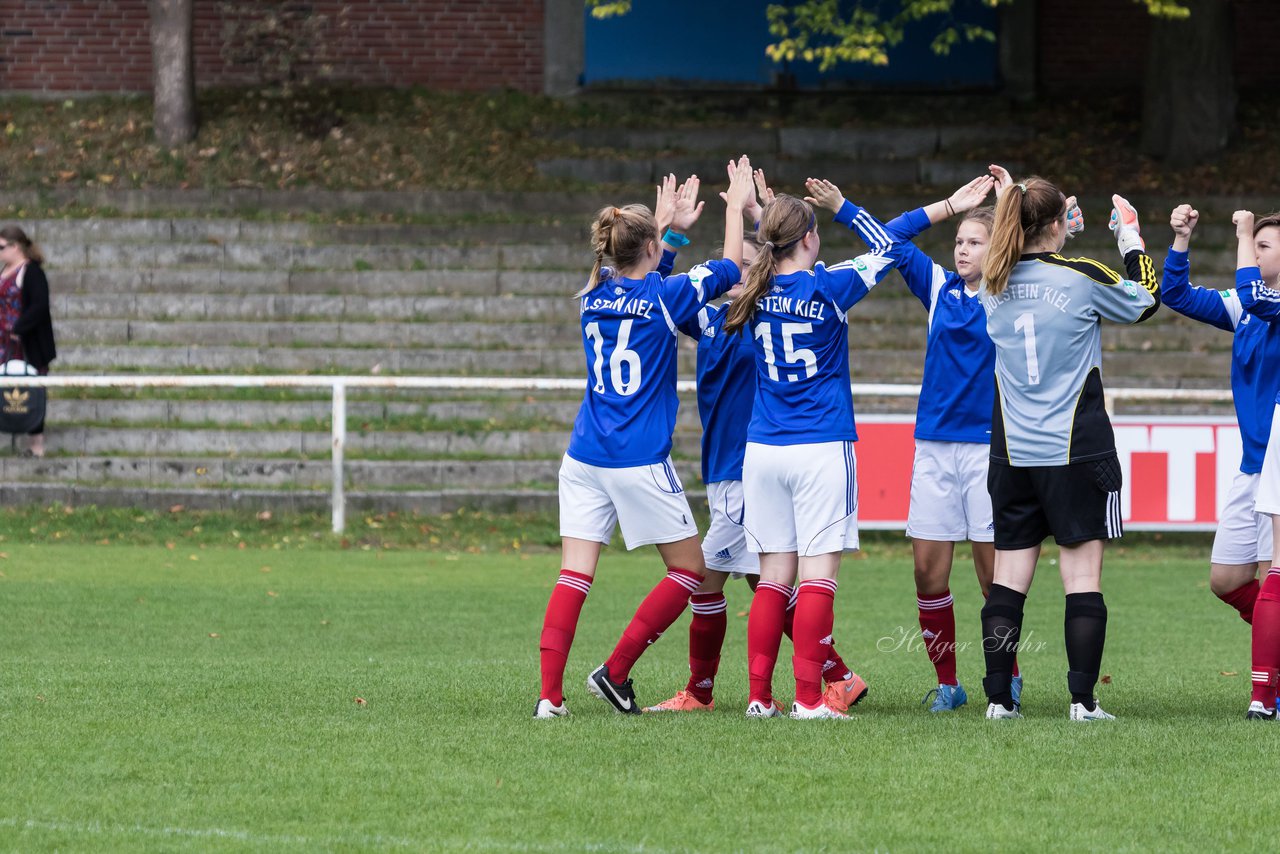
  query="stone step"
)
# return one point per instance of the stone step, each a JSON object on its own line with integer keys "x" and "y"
{"x": 849, "y": 143}
{"x": 865, "y": 333}
{"x": 69, "y": 438}
{"x": 347, "y": 257}
{"x": 305, "y": 307}
{"x": 785, "y": 173}
{"x": 250, "y": 473}
{"x": 537, "y": 228}
{"x": 142, "y": 282}
{"x": 281, "y": 501}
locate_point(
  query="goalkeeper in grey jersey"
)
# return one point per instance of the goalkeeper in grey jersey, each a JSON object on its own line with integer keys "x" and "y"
{"x": 1053, "y": 467}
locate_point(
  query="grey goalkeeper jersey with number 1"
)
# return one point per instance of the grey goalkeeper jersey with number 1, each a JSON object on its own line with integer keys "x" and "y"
{"x": 1049, "y": 407}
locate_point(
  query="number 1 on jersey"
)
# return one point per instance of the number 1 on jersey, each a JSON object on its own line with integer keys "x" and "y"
{"x": 1026, "y": 324}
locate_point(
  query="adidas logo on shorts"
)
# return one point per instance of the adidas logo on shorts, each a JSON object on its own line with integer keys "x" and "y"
{"x": 723, "y": 554}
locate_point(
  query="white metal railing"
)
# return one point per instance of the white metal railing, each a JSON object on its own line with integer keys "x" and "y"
{"x": 338, "y": 386}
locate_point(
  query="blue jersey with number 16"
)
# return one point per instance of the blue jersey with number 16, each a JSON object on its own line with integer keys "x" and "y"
{"x": 629, "y": 339}
{"x": 801, "y": 334}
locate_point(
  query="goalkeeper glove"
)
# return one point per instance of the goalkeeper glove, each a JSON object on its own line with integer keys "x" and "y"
{"x": 1124, "y": 223}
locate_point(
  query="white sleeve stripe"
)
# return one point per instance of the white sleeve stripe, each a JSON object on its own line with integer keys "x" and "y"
{"x": 1262, "y": 292}
{"x": 671, "y": 324}
{"x": 704, "y": 319}
{"x": 879, "y": 237}
{"x": 1234, "y": 308}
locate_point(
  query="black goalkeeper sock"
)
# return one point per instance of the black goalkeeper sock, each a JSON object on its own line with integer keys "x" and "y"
{"x": 1001, "y": 629}
{"x": 1085, "y": 631}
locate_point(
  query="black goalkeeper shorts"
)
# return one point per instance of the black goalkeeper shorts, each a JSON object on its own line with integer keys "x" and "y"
{"x": 1074, "y": 503}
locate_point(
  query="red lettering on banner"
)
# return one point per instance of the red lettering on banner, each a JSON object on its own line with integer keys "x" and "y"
{"x": 1176, "y": 470}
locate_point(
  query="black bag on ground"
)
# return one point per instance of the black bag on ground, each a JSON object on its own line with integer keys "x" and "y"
{"x": 21, "y": 407}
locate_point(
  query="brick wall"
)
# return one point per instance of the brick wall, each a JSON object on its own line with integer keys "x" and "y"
{"x": 1096, "y": 45}
{"x": 103, "y": 45}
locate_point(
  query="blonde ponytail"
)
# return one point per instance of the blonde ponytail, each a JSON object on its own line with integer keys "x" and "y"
{"x": 1024, "y": 213}
{"x": 619, "y": 235}
{"x": 783, "y": 224}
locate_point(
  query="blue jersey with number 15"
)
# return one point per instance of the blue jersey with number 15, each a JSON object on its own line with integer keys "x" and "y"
{"x": 801, "y": 334}
{"x": 629, "y": 339}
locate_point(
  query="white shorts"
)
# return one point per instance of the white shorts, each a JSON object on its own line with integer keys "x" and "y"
{"x": 949, "y": 498}
{"x": 1269, "y": 479}
{"x": 1243, "y": 536}
{"x": 647, "y": 501}
{"x": 725, "y": 545}
{"x": 801, "y": 498}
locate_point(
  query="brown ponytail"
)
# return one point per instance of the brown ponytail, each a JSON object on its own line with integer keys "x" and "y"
{"x": 619, "y": 235}
{"x": 783, "y": 224}
{"x": 1024, "y": 213}
{"x": 13, "y": 234}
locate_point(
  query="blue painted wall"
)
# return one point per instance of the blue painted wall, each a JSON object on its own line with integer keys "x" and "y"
{"x": 718, "y": 43}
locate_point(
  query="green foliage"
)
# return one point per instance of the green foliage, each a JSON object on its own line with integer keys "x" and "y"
{"x": 608, "y": 8}
{"x": 822, "y": 31}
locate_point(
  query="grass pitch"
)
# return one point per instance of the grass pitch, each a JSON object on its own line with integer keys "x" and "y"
{"x": 232, "y": 699}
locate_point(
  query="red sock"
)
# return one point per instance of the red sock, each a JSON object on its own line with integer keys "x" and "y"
{"x": 1243, "y": 599}
{"x": 938, "y": 628}
{"x": 706, "y": 637}
{"x": 764, "y": 634}
{"x": 662, "y": 607}
{"x": 834, "y": 669}
{"x": 1266, "y": 640}
{"x": 815, "y": 614}
{"x": 789, "y": 621}
{"x": 558, "y": 627}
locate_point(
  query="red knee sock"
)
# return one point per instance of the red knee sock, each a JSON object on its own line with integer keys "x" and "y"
{"x": 938, "y": 628}
{"x": 664, "y": 604}
{"x": 1243, "y": 599}
{"x": 764, "y": 635}
{"x": 815, "y": 614}
{"x": 833, "y": 669}
{"x": 706, "y": 637}
{"x": 558, "y": 627}
{"x": 1266, "y": 640}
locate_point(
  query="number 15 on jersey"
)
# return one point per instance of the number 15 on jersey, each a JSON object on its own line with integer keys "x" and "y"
{"x": 791, "y": 355}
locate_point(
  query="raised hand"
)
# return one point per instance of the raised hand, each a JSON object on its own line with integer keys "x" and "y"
{"x": 1075, "y": 217}
{"x": 1243, "y": 221}
{"x": 740, "y": 190}
{"x": 1124, "y": 223}
{"x": 686, "y": 208}
{"x": 823, "y": 194}
{"x": 1183, "y": 220}
{"x": 664, "y": 208}
{"x": 971, "y": 195}
{"x": 1002, "y": 178}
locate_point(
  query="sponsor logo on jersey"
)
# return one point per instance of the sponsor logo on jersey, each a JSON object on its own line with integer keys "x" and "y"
{"x": 1130, "y": 288}
{"x": 859, "y": 264}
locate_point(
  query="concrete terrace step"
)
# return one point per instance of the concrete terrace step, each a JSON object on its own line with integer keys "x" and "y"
{"x": 305, "y": 307}
{"x": 883, "y": 142}
{"x": 213, "y": 282}
{"x": 865, "y": 333}
{"x": 426, "y": 502}
{"x": 250, "y": 473}
{"x": 354, "y": 257}
{"x": 277, "y": 441}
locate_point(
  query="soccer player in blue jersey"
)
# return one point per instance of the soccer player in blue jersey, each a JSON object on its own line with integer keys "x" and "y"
{"x": 949, "y": 498}
{"x": 799, "y": 473}
{"x": 1054, "y": 469}
{"x": 1242, "y": 545}
{"x": 1258, "y": 285}
{"x": 726, "y": 391}
{"x": 617, "y": 469}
